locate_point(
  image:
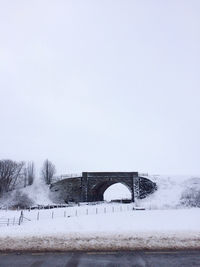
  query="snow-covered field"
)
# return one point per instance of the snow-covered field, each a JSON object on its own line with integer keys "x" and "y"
{"x": 121, "y": 229}
{"x": 166, "y": 222}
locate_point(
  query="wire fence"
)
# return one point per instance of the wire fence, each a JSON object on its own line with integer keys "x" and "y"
{"x": 49, "y": 213}
{"x": 9, "y": 221}
{"x": 70, "y": 204}
{"x": 77, "y": 211}
{"x": 18, "y": 220}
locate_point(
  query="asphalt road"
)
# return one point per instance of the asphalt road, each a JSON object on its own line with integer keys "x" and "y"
{"x": 97, "y": 259}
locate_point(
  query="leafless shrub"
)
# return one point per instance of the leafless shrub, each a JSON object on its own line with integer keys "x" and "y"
{"x": 191, "y": 198}
{"x": 10, "y": 172}
{"x": 20, "y": 200}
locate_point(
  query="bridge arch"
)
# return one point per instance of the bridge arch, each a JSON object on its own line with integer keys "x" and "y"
{"x": 117, "y": 191}
{"x": 94, "y": 184}
{"x": 98, "y": 190}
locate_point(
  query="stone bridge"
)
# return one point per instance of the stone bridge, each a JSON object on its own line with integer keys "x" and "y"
{"x": 90, "y": 187}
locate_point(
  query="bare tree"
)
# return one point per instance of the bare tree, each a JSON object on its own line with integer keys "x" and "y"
{"x": 29, "y": 174}
{"x": 10, "y": 172}
{"x": 48, "y": 171}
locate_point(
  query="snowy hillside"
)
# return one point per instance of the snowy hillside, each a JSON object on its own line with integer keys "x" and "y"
{"x": 173, "y": 192}
{"x": 36, "y": 194}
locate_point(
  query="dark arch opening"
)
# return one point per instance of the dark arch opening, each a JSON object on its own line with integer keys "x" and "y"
{"x": 99, "y": 190}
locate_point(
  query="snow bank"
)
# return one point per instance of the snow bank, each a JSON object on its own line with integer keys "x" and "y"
{"x": 102, "y": 241}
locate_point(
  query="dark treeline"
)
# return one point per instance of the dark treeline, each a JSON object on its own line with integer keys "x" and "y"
{"x": 20, "y": 174}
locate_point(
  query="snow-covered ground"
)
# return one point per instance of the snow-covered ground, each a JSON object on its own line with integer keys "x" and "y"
{"x": 85, "y": 219}
{"x": 166, "y": 223}
{"x": 121, "y": 229}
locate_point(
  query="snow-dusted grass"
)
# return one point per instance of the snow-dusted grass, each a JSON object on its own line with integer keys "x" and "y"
{"x": 112, "y": 230}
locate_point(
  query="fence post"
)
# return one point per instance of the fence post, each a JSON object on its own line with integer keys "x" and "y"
{"x": 86, "y": 211}
{"x": 38, "y": 216}
{"x": 76, "y": 213}
{"x": 21, "y": 218}
{"x": 52, "y": 214}
{"x": 96, "y": 210}
{"x": 112, "y": 209}
{"x": 120, "y": 208}
{"x": 65, "y": 213}
{"x": 8, "y": 223}
{"x": 105, "y": 210}
{"x": 14, "y": 221}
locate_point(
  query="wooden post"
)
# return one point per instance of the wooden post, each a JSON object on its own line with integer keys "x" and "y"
{"x": 52, "y": 214}
{"x": 38, "y": 216}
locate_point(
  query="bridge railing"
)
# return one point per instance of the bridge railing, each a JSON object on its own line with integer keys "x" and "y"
{"x": 65, "y": 176}
{"x": 142, "y": 174}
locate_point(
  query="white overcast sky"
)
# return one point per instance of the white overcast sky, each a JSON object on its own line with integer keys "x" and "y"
{"x": 101, "y": 85}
